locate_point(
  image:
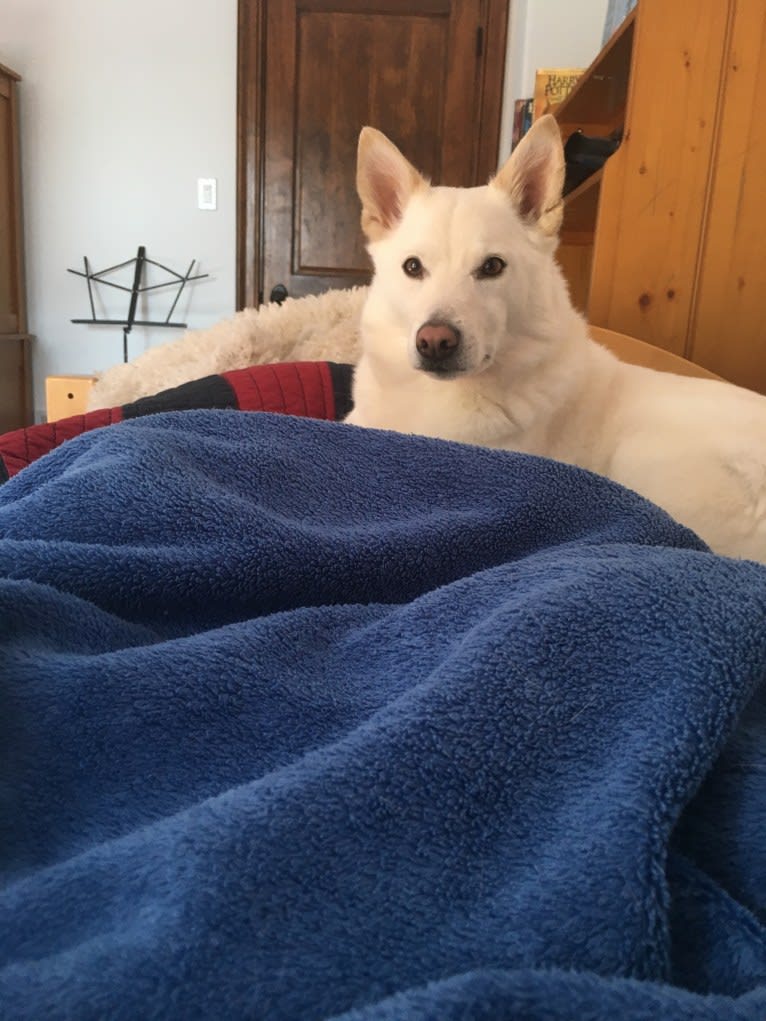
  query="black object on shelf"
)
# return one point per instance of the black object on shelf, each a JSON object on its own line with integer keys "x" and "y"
{"x": 130, "y": 321}
{"x": 584, "y": 155}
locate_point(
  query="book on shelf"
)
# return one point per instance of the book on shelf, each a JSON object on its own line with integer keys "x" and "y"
{"x": 552, "y": 86}
{"x": 522, "y": 120}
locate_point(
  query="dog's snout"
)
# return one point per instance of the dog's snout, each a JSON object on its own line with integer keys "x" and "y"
{"x": 436, "y": 342}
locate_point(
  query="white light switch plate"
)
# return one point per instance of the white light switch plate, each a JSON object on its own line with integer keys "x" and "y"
{"x": 206, "y": 193}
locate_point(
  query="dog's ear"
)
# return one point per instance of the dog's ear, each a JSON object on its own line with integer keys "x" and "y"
{"x": 385, "y": 181}
{"x": 534, "y": 175}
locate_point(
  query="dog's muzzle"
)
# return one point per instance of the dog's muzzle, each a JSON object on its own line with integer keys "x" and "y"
{"x": 439, "y": 347}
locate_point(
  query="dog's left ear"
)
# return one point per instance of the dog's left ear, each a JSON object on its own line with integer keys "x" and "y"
{"x": 534, "y": 175}
{"x": 385, "y": 181}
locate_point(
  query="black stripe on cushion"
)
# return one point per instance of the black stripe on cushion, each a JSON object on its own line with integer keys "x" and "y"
{"x": 208, "y": 392}
{"x": 342, "y": 377}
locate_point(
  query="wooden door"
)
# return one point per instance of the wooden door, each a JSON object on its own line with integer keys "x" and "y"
{"x": 428, "y": 73}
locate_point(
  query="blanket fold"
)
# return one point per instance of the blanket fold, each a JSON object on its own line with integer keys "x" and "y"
{"x": 303, "y": 721}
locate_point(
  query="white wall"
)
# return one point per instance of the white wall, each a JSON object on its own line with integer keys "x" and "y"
{"x": 547, "y": 33}
{"x": 124, "y": 104}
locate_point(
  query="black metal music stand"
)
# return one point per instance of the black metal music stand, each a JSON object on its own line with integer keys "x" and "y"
{"x": 128, "y": 323}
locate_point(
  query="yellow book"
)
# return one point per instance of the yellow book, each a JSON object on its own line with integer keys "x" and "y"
{"x": 552, "y": 86}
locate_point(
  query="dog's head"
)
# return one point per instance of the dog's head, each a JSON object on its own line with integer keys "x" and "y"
{"x": 459, "y": 270}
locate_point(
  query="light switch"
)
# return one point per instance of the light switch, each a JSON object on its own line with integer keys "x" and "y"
{"x": 206, "y": 193}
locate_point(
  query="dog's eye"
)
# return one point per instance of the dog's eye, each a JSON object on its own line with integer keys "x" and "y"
{"x": 413, "y": 267}
{"x": 491, "y": 267}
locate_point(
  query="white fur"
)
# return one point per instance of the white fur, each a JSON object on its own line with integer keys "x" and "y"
{"x": 530, "y": 377}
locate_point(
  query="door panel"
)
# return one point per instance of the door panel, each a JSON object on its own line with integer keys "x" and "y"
{"x": 334, "y": 101}
{"x": 416, "y": 71}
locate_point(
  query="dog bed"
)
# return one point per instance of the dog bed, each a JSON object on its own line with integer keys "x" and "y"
{"x": 311, "y": 389}
{"x": 314, "y": 328}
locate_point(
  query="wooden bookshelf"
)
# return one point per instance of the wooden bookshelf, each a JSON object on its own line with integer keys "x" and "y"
{"x": 666, "y": 242}
{"x": 596, "y": 105}
{"x": 581, "y": 209}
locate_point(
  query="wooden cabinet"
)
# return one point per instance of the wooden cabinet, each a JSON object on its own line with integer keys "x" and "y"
{"x": 15, "y": 377}
{"x": 666, "y": 243}
{"x": 66, "y": 396}
{"x": 15, "y": 374}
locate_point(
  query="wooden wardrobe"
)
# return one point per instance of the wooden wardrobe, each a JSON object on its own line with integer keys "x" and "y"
{"x": 15, "y": 369}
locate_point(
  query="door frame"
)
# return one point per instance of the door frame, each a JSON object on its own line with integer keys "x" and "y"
{"x": 251, "y": 71}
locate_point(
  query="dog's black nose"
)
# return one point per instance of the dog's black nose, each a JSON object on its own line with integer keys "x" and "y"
{"x": 437, "y": 342}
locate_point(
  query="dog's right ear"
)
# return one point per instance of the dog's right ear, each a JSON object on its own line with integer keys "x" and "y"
{"x": 385, "y": 181}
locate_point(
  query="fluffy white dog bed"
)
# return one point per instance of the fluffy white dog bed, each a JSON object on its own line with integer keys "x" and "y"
{"x": 325, "y": 327}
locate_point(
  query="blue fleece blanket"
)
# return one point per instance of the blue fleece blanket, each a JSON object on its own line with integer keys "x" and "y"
{"x": 299, "y": 721}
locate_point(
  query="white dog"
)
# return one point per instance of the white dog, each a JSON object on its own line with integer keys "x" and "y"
{"x": 468, "y": 334}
